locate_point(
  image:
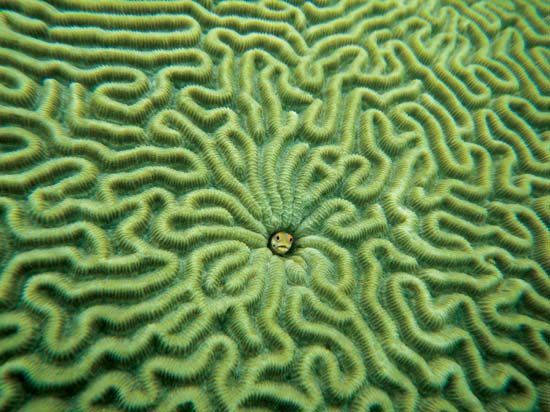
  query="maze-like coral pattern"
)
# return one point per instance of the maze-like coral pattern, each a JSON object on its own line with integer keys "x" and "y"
{"x": 148, "y": 149}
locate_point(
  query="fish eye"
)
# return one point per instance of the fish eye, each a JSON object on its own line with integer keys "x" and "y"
{"x": 278, "y": 237}
{"x": 290, "y": 238}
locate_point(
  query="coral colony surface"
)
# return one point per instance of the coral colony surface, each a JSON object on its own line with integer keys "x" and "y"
{"x": 274, "y": 206}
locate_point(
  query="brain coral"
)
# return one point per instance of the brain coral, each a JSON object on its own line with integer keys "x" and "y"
{"x": 149, "y": 149}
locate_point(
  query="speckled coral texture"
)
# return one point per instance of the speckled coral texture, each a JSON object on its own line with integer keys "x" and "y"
{"x": 149, "y": 149}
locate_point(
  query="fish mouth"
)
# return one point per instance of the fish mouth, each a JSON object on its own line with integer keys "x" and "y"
{"x": 282, "y": 249}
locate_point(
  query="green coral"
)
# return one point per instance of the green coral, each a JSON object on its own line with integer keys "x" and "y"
{"x": 148, "y": 150}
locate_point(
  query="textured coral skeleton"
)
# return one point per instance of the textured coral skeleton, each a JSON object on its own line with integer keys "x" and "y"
{"x": 149, "y": 149}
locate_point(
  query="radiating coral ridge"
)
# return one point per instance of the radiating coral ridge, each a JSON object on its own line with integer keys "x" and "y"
{"x": 149, "y": 151}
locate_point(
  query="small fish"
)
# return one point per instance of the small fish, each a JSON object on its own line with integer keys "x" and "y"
{"x": 281, "y": 242}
